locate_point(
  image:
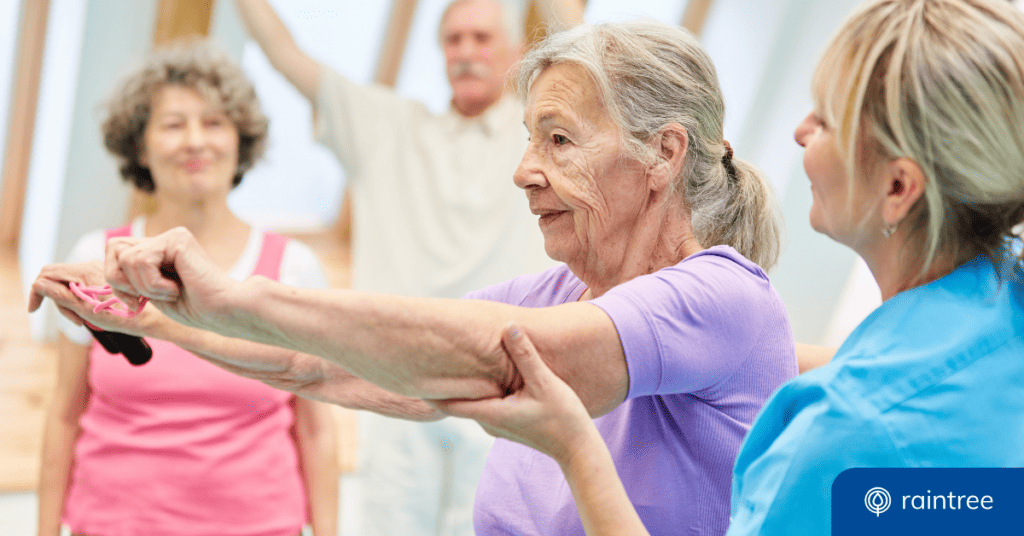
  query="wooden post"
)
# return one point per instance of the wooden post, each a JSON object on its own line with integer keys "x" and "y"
{"x": 390, "y": 60}
{"x": 22, "y": 122}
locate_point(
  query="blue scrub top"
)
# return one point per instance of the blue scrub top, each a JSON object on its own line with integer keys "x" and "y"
{"x": 932, "y": 378}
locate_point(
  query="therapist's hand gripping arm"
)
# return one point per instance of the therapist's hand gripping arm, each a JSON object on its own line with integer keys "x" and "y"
{"x": 547, "y": 416}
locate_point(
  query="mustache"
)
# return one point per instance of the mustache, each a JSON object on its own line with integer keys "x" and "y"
{"x": 471, "y": 68}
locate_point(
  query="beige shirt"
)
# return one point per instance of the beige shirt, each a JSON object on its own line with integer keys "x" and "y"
{"x": 435, "y": 212}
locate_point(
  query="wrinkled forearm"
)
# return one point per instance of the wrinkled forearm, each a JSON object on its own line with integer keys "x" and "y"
{"x": 305, "y": 375}
{"x": 421, "y": 348}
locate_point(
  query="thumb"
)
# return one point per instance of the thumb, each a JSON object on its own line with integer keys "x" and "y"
{"x": 524, "y": 355}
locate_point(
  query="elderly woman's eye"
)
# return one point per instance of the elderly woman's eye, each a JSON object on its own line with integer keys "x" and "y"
{"x": 559, "y": 139}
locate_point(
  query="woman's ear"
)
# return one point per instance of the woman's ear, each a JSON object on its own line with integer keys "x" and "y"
{"x": 671, "y": 144}
{"x": 904, "y": 185}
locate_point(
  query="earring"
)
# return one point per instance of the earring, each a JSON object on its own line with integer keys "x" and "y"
{"x": 888, "y": 230}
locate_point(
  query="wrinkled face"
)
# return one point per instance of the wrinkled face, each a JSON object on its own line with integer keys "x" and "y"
{"x": 833, "y": 213}
{"x": 477, "y": 53}
{"x": 189, "y": 146}
{"x": 587, "y": 192}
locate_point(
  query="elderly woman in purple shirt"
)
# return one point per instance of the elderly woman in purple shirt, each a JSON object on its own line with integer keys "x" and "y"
{"x": 661, "y": 318}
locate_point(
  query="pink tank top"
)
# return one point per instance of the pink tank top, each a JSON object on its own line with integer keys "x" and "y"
{"x": 180, "y": 447}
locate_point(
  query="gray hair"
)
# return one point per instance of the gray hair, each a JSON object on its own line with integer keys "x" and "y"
{"x": 511, "y": 19}
{"x": 651, "y": 75}
{"x": 940, "y": 82}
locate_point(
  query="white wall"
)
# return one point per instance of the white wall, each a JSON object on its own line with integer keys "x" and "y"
{"x": 41, "y": 222}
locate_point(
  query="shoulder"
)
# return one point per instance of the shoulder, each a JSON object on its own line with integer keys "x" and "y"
{"x": 300, "y": 267}
{"x": 334, "y": 86}
{"x": 717, "y": 285}
{"x": 550, "y": 287}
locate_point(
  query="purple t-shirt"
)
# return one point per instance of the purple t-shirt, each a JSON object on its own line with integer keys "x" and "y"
{"x": 706, "y": 342}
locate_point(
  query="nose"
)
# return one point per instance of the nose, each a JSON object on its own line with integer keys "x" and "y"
{"x": 459, "y": 48}
{"x": 195, "y": 134}
{"x": 529, "y": 173}
{"x": 804, "y": 130}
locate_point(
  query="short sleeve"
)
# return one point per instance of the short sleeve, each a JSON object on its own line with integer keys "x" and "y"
{"x": 90, "y": 247}
{"x": 300, "y": 267}
{"x": 356, "y": 122}
{"x": 690, "y": 326}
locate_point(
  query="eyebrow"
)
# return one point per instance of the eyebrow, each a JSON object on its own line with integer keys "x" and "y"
{"x": 547, "y": 118}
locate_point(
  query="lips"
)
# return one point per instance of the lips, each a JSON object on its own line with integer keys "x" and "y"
{"x": 195, "y": 165}
{"x": 548, "y": 216}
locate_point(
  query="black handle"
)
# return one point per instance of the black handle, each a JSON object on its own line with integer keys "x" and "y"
{"x": 135, "y": 349}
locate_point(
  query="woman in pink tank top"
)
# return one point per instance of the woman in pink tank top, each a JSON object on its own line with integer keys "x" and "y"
{"x": 178, "y": 446}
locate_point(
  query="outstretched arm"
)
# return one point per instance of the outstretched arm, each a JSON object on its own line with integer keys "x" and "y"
{"x": 277, "y": 43}
{"x": 422, "y": 348}
{"x": 547, "y": 416}
{"x": 303, "y": 374}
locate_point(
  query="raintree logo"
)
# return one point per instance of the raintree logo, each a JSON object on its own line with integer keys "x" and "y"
{"x": 936, "y": 501}
{"x": 877, "y": 500}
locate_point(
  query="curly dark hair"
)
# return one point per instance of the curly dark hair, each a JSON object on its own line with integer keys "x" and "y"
{"x": 193, "y": 64}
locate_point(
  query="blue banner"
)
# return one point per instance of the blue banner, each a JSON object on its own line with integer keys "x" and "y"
{"x": 930, "y": 501}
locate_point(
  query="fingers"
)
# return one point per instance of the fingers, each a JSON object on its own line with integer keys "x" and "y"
{"x": 135, "y": 268}
{"x": 483, "y": 409}
{"x": 52, "y": 282}
{"x": 520, "y": 348}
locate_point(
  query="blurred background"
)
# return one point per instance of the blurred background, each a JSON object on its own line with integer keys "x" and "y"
{"x": 60, "y": 58}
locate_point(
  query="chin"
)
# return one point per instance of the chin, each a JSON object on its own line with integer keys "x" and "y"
{"x": 471, "y": 92}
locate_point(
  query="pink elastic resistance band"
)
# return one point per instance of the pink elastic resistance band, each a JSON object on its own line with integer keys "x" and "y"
{"x": 89, "y": 294}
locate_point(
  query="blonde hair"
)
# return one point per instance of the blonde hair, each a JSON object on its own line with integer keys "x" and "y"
{"x": 651, "y": 75}
{"x": 193, "y": 64}
{"x": 940, "y": 82}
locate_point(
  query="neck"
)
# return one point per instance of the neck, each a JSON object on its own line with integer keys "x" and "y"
{"x": 653, "y": 244}
{"x": 212, "y": 223}
{"x": 896, "y": 265}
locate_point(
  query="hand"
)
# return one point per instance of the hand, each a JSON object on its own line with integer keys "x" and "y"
{"x": 173, "y": 271}
{"x": 545, "y": 414}
{"x": 52, "y": 282}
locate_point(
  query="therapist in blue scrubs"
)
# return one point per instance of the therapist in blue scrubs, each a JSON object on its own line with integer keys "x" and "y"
{"x": 915, "y": 154}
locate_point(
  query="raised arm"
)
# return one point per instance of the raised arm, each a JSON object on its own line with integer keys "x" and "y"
{"x": 422, "y": 348}
{"x": 273, "y": 37}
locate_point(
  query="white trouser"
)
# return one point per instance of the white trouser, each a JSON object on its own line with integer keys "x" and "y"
{"x": 419, "y": 479}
